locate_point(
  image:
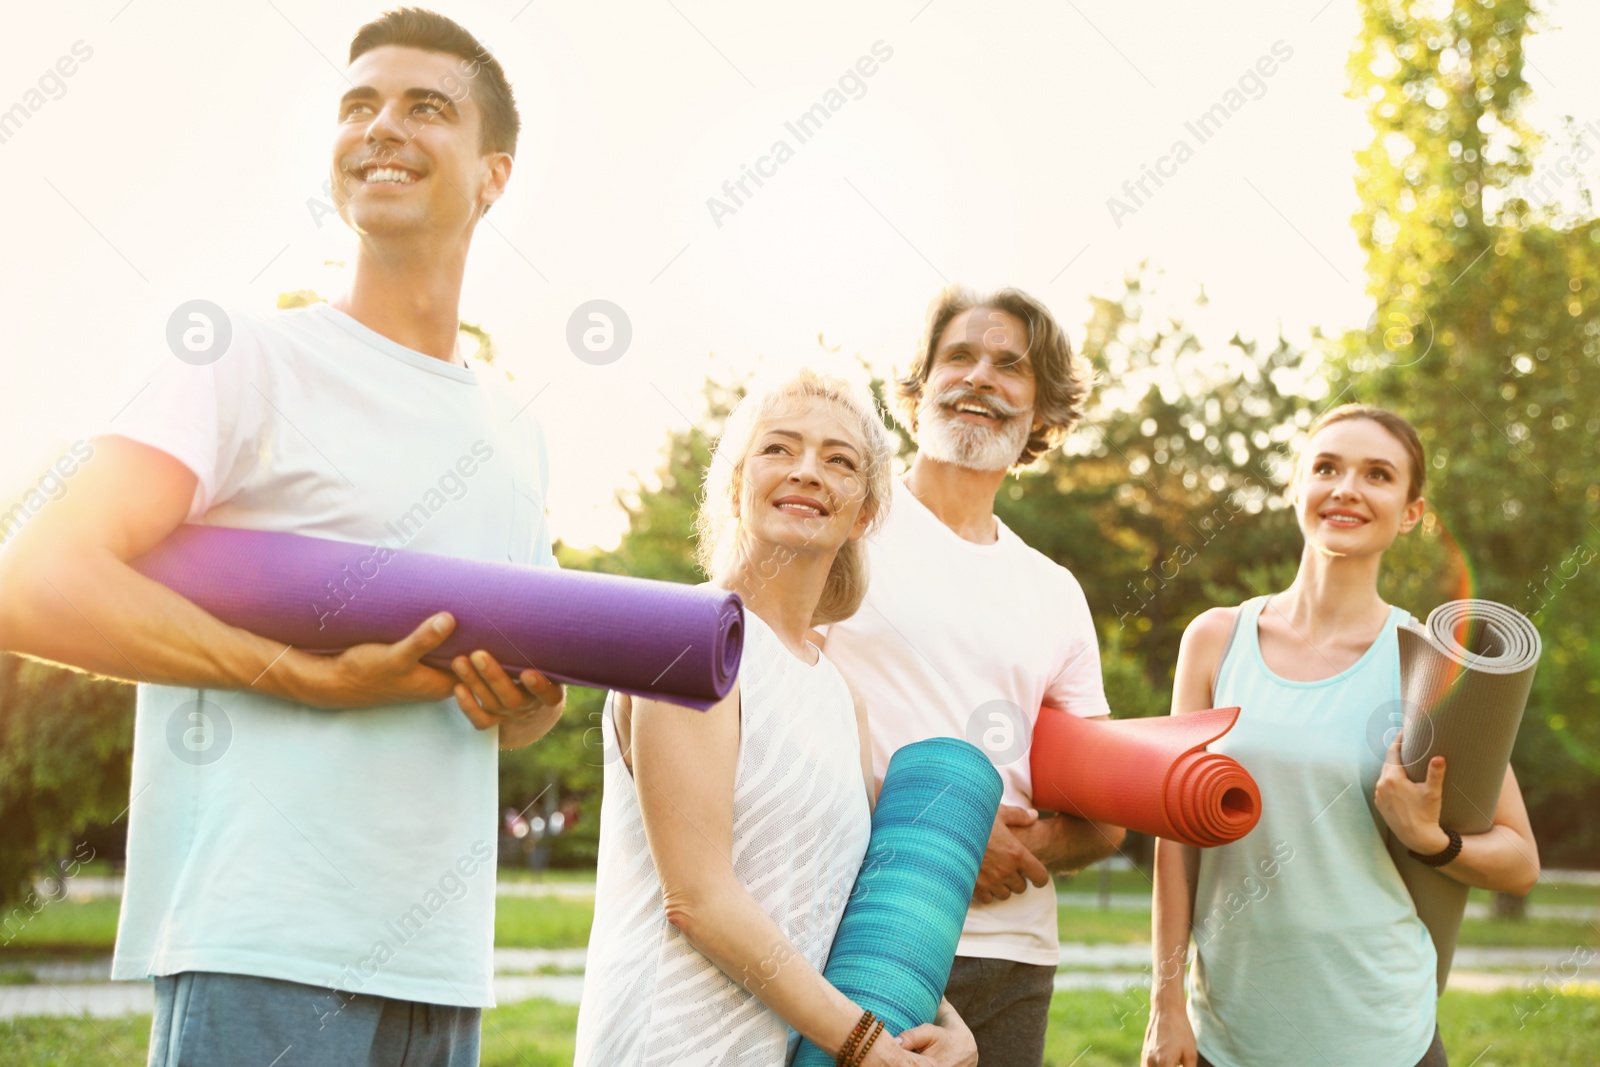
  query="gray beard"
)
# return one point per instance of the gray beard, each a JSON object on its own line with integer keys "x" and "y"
{"x": 979, "y": 448}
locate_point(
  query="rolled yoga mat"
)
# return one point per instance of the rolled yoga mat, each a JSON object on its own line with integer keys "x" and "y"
{"x": 1464, "y": 682}
{"x": 658, "y": 639}
{"x": 1150, "y": 775}
{"x": 897, "y": 938}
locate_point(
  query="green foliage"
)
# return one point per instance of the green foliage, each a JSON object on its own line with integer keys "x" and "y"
{"x": 1129, "y": 690}
{"x": 1168, "y": 499}
{"x": 65, "y": 759}
{"x": 486, "y": 351}
{"x": 299, "y": 298}
{"x": 1487, "y": 336}
{"x": 659, "y": 543}
{"x": 565, "y": 766}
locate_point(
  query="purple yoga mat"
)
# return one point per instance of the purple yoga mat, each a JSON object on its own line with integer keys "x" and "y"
{"x": 658, "y": 639}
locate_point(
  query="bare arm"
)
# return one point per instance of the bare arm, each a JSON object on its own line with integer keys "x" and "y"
{"x": 864, "y": 734}
{"x": 68, "y": 595}
{"x": 1169, "y": 1039}
{"x": 684, "y": 762}
{"x": 1505, "y": 858}
{"x": 1066, "y": 844}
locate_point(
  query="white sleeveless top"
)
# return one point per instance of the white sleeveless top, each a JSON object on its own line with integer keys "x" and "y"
{"x": 801, "y": 823}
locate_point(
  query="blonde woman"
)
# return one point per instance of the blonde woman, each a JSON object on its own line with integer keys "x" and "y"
{"x": 1308, "y": 949}
{"x": 730, "y": 839}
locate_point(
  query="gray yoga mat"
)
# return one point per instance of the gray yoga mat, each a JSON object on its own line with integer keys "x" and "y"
{"x": 1464, "y": 679}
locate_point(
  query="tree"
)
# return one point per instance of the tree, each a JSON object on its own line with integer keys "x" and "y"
{"x": 66, "y": 743}
{"x": 1168, "y": 499}
{"x": 658, "y": 544}
{"x": 1487, "y": 280}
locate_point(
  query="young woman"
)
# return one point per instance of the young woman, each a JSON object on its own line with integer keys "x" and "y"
{"x": 730, "y": 839}
{"x": 1308, "y": 947}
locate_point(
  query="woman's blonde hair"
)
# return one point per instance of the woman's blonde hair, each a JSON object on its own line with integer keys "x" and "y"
{"x": 717, "y": 523}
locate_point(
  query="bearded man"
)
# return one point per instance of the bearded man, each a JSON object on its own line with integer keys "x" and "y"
{"x": 966, "y": 631}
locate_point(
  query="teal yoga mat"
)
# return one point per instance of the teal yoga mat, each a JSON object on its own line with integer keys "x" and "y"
{"x": 897, "y": 938}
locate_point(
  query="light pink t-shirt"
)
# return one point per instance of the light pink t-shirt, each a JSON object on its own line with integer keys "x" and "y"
{"x": 957, "y": 639}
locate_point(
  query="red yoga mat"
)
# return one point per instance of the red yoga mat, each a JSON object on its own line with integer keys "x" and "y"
{"x": 1150, "y": 775}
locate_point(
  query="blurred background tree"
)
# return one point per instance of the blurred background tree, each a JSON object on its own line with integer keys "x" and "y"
{"x": 66, "y": 746}
{"x": 1483, "y": 260}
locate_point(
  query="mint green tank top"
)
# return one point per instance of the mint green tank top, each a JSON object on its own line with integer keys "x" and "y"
{"x": 1308, "y": 949}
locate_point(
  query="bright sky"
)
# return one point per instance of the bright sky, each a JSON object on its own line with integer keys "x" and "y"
{"x": 178, "y": 159}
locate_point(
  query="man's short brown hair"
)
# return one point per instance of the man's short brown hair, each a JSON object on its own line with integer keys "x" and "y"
{"x": 1062, "y": 378}
{"x": 415, "y": 27}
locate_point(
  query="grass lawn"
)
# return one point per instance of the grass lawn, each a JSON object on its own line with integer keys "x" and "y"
{"x": 1126, "y": 926}
{"x": 1571, "y": 896}
{"x": 89, "y": 928}
{"x": 542, "y": 922}
{"x": 65, "y": 928}
{"x": 1111, "y": 1028}
{"x": 535, "y": 1033}
{"x": 522, "y": 874}
{"x": 76, "y": 1042}
{"x": 1086, "y": 1030}
{"x": 1135, "y": 881}
{"x": 1529, "y": 933}
{"x": 1111, "y": 926}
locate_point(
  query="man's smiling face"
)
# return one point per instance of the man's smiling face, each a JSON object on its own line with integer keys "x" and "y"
{"x": 408, "y": 152}
{"x": 977, "y": 404}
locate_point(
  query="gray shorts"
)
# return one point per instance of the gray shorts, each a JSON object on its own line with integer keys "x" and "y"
{"x": 1006, "y": 1005}
{"x": 203, "y": 1019}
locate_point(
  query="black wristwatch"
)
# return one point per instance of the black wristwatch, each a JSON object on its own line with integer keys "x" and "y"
{"x": 1442, "y": 857}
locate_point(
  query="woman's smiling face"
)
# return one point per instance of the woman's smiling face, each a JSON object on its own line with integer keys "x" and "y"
{"x": 800, "y": 485}
{"x": 1352, "y": 487}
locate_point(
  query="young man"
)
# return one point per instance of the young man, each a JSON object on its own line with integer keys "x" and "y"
{"x": 966, "y": 632}
{"x": 307, "y": 882}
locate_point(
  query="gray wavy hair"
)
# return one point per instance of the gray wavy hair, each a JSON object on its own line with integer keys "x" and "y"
{"x": 717, "y": 523}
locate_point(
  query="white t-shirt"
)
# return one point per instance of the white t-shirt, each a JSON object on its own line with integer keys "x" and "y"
{"x": 957, "y": 639}
{"x": 353, "y": 849}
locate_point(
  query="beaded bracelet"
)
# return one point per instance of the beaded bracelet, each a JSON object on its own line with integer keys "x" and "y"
{"x": 861, "y": 1053}
{"x": 862, "y": 1025}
